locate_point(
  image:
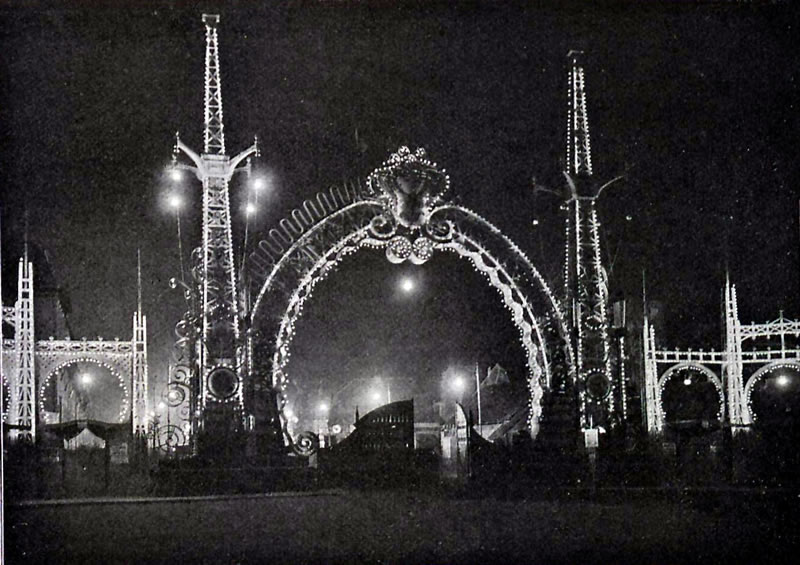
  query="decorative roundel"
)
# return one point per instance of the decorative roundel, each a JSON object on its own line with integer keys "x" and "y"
{"x": 422, "y": 250}
{"x": 336, "y": 429}
{"x": 223, "y": 383}
{"x": 170, "y": 437}
{"x": 598, "y": 386}
{"x": 306, "y": 444}
{"x": 176, "y": 394}
{"x": 399, "y": 249}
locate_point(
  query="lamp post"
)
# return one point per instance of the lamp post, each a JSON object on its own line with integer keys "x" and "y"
{"x": 176, "y": 203}
{"x": 459, "y": 385}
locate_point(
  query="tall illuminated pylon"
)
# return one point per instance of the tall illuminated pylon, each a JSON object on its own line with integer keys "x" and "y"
{"x": 585, "y": 282}
{"x": 217, "y": 347}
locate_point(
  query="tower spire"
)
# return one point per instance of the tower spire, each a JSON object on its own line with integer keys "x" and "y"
{"x": 218, "y": 347}
{"x": 214, "y": 132}
{"x": 585, "y": 276}
{"x": 139, "y": 280}
{"x": 579, "y": 147}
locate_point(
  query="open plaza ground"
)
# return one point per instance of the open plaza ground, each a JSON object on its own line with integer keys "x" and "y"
{"x": 644, "y": 527}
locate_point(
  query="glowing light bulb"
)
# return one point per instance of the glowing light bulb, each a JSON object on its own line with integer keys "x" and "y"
{"x": 407, "y": 285}
{"x": 259, "y": 183}
{"x": 250, "y": 209}
{"x": 175, "y": 174}
{"x": 782, "y": 381}
{"x": 175, "y": 201}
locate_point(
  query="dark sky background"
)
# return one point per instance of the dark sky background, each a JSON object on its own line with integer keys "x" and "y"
{"x": 696, "y": 103}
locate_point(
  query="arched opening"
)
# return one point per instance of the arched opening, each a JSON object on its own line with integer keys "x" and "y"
{"x": 83, "y": 389}
{"x": 401, "y": 212}
{"x": 379, "y": 332}
{"x": 774, "y": 397}
{"x": 691, "y": 398}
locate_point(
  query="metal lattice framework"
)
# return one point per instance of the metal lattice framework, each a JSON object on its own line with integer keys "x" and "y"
{"x": 733, "y": 370}
{"x": 402, "y": 211}
{"x": 29, "y": 365}
{"x": 585, "y": 285}
{"x": 209, "y": 334}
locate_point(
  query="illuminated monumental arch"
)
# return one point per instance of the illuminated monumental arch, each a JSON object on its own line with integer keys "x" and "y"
{"x": 403, "y": 210}
{"x": 29, "y": 365}
{"x": 235, "y": 340}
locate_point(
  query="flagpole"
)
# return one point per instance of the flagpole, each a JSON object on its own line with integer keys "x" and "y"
{"x": 478, "y": 389}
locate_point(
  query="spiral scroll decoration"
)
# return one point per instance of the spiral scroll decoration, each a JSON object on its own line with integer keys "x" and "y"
{"x": 306, "y": 444}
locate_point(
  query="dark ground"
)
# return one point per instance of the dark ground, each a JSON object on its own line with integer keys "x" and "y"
{"x": 396, "y": 527}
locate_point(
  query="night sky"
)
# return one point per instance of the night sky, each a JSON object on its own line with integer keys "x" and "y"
{"x": 696, "y": 104}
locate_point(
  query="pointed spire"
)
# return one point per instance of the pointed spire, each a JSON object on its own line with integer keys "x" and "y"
{"x": 139, "y": 280}
{"x": 214, "y": 134}
{"x": 644, "y": 293}
{"x": 357, "y": 416}
{"x": 25, "y": 238}
{"x": 579, "y": 153}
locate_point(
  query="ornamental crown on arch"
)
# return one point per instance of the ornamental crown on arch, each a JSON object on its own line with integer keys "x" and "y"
{"x": 409, "y": 187}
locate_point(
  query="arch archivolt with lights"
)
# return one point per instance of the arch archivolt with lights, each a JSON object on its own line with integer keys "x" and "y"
{"x": 401, "y": 210}
{"x": 51, "y": 364}
{"x": 762, "y": 373}
{"x": 696, "y": 367}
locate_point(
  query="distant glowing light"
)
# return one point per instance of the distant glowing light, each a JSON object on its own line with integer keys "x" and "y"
{"x": 687, "y": 381}
{"x": 323, "y": 407}
{"x": 175, "y": 174}
{"x": 259, "y": 183}
{"x": 288, "y": 413}
{"x": 407, "y": 285}
{"x": 782, "y": 381}
{"x": 250, "y": 209}
{"x": 376, "y": 396}
{"x": 458, "y": 384}
{"x": 161, "y": 405}
{"x": 535, "y": 222}
{"x": 86, "y": 379}
{"x": 175, "y": 201}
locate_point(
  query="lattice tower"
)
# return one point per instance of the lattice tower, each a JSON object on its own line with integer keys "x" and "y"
{"x": 738, "y": 414}
{"x": 585, "y": 281}
{"x": 139, "y": 362}
{"x": 218, "y": 348}
{"x": 22, "y": 413}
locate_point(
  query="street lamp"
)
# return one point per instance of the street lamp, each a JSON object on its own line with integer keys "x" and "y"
{"x": 782, "y": 381}
{"x": 458, "y": 384}
{"x": 176, "y": 203}
{"x": 259, "y": 183}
